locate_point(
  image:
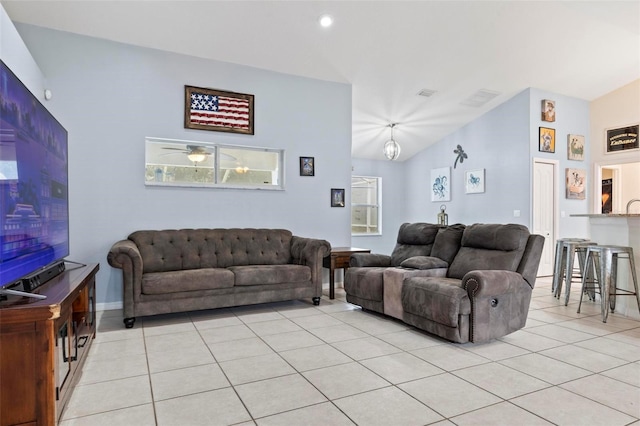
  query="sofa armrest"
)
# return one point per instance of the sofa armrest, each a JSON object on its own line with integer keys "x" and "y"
{"x": 310, "y": 252}
{"x": 126, "y": 256}
{"x": 369, "y": 259}
{"x": 499, "y": 303}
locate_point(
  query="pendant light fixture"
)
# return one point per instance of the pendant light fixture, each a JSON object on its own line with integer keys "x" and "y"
{"x": 391, "y": 148}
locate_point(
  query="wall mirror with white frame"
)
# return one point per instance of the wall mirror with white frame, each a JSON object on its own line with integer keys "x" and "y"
{"x": 171, "y": 162}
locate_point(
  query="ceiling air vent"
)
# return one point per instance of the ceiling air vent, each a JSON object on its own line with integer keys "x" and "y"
{"x": 427, "y": 93}
{"x": 480, "y": 98}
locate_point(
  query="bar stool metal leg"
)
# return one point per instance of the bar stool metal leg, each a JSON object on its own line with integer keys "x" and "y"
{"x": 634, "y": 277}
{"x": 590, "y": 283}
{"x": 557, "y": 267}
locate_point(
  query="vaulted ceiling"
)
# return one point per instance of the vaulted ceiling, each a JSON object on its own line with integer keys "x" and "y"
{"x": 388, "y": 51}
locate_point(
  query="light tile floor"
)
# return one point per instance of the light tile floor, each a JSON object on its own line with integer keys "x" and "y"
{"x": 293, "y": 363}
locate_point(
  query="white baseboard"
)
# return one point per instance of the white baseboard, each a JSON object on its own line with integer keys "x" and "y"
{"x": 108, "y": 306}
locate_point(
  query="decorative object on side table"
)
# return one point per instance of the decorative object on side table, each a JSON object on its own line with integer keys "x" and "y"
{"x": 474, "y": 181}
{"x": 548, "y": 110}
{"x": 440, "y": 184}
{"x": 217, "y": 110}
{"x": 622, "y": 139}
{"x": 547, "y": 139}
{"x": 337, "y": 197}
{"x": 460, "y": 155}
{"x": 307, "y": 166}
{"x": 575, "y": 147}
{"x": 576, "y": 183}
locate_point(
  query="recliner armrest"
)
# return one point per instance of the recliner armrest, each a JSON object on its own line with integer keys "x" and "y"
{"x": 369, "y": 259}
{"x": 482, "y": 283}
{"x": 499, "y": 303}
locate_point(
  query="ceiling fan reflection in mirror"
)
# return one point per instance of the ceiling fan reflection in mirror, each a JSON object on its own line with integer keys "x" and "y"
{"x": 195, "y": 153}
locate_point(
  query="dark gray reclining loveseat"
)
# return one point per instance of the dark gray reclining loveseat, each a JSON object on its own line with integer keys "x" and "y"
{"x": 462, "y": 283}
{"x": 191, "y": 269}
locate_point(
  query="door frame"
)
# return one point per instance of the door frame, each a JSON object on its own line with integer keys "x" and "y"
{"x": 556, "y": 196}
{"x": 615, "y": 189}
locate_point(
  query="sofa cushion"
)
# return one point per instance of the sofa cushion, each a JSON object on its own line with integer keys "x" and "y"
{"x": 414, "y": 239}
{"x": 489, "y": 246}
{"x": 270, "y": 274}
{"x": 447, "y": 242}
{"x": 438, "y": 299}
{"x": 188, "y": 280}
{"x": 364, "y": 283}
{"x": 424, "y": 262}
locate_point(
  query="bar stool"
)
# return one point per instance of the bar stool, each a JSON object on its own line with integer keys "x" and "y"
{"x": 560, "y": 260}
{"x": 604, "y": 260}
{"x": 567, "y": 272}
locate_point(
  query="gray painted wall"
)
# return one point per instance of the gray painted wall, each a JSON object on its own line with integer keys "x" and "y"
{"x": 504, "y": 142}
{"x": 110, "y": 96}
{"x": 498, "y": 142}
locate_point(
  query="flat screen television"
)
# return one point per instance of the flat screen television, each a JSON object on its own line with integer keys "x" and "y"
{"x": 34, "y": 208}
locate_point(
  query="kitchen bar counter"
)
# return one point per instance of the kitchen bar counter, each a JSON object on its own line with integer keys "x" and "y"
{"x": 621, "y": 230}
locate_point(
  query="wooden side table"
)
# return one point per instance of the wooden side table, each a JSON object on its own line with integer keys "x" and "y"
{"x": 339, "y": 258}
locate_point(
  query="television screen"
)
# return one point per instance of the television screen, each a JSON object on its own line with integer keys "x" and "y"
{"x": 34, "y": 208}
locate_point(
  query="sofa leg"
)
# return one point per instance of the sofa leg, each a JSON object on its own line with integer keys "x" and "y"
{"x": 316, "y": 301}
{"x": 128, "y": 322}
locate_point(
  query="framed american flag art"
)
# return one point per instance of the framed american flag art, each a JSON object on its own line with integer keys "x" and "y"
{"x": 217, "y": 110}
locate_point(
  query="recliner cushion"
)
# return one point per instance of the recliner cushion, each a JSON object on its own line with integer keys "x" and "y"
{"x": 438, "y": 299}
{"x": 414, "y": 239}
{"x": 489, "y": 246}
{"x": 447, "y": 242}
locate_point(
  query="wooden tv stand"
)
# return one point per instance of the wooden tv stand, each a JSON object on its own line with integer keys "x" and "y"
{"x": 43, "y": 344}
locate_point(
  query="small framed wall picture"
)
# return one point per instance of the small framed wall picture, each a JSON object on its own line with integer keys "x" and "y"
{"x": 547, "y": 139}
{"x": 440, "y": 184}
{"x": 337, "y": 197}
{"x": 575, "y": 147}
{"x": 548, "y": 110}
{"x": 307, "y": 166}
{"x": 474, "y": 181}
{"x": 576, "y": 184}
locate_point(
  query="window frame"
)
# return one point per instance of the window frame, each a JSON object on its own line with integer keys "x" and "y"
{"x": 377, "y": 204}
{"x": 215, "y": 165}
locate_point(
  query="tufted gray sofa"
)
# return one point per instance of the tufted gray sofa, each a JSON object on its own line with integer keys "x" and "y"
{"x": 190, "y": 269}
{"x": 463, "y": 283}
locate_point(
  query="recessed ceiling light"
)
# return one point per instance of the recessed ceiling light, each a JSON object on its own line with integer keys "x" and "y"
{"x": 325, "y": 21}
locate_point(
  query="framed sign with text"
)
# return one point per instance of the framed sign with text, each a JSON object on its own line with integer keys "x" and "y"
{"x": 622, "y": 139}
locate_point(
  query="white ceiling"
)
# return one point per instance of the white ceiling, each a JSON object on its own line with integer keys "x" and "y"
{"x": 388, "y": 51}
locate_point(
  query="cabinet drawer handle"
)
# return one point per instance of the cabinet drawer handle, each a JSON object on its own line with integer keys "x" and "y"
{"x": 82, "y": 341}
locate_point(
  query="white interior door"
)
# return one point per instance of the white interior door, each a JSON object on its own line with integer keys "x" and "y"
{"x": 544, "y": 210}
